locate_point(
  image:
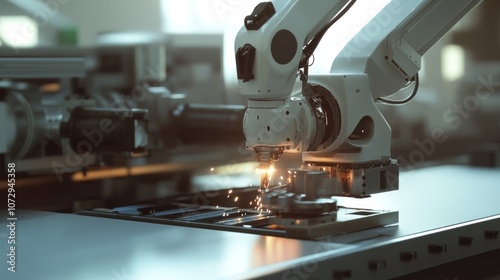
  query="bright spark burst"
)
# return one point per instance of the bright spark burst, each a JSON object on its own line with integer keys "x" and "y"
{"x": 266, "y": 173}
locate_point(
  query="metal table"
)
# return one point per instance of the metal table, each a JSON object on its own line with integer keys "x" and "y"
{"x": 438, "y": 206}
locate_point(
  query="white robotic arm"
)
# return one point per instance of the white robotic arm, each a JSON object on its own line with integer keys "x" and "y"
{"x": 389, "y": 48}
{"x": 333, "y": 120}
{"x": 269, "y": 49}
{"x": 270, "y": 45}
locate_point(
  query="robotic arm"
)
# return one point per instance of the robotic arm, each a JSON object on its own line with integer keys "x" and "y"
{"x": 332, "y": 119}
{"x": 269, "y": 49}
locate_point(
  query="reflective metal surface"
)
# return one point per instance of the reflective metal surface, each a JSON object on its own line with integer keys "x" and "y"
{"x": 60, "y": 246}
{"x": 66, "y": 246}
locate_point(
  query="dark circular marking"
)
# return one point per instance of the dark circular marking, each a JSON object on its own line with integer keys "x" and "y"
{"x": 283, "y": 46}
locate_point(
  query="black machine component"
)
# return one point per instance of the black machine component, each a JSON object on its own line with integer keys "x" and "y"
{"x": 106, "y": 130}
{"x": 245, "y": 59}
{"x": 284, "y": 46}
{"x": 260, "y": 15}
{"x": 201, "y": 123}
{"x": 327, "y": 113}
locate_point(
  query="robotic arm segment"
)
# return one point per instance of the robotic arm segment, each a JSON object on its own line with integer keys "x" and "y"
{"x": 269, "y": 49}
{"x": 389, "y": 48}
{"x": 268, "y": 57}
{"x": 422, "y": 28}
{"x": 337, "y": 128}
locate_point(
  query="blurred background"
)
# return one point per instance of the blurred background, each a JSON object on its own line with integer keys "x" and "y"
{"x": 176, "y": 60}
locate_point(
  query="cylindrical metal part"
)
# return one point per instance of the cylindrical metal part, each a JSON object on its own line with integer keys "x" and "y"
{"x": 200, "y": 123}
{"x": 268, "y": 155}
{"x": 25, "y": 119}
{"x": 106, "y": 130}
{"x": 53, "y": 119}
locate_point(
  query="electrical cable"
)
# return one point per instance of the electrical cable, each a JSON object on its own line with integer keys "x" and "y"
{"x": 404, "y": 101}
{"x": 309, "y": 49}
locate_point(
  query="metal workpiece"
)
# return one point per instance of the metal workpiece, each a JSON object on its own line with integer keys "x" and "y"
{"x": 246, "y": 210}
{"x": 342, "y": 221}
{"x": 300, "y": 196}
{"x": 294, "y": 204}
{"x": 305, "y": 207}
{"x": 311, "y": 189}
{"x": 297, "y": 217}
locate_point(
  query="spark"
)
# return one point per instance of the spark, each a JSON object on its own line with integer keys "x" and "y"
{"x": 217, "y": 206}
{"x": 250, "y": 203}
{"x": 235, "y": 199}
{"x": 212, "y": 169}
{"x": 266, "y": 174}
{"x": 281, "y": 177}
{"x": 228, "y": 196}
{"x": 230, "y": 191}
